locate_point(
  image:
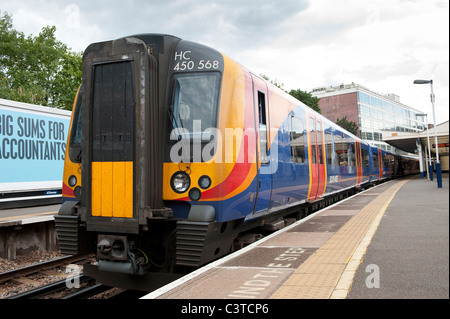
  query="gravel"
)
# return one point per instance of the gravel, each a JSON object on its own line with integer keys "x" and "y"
{"x": 12, "y": 287}
{"x": 33, "y": 257}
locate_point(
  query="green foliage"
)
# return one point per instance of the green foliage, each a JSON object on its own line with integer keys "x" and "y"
{"x": 279, "y": 85}
{"x": 38, "y": 70}
{"x": 307, "y": 98}
{"x": 350, "y": 126}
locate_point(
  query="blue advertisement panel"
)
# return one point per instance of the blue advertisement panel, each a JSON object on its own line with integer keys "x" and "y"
{"x": 32, "y": 146}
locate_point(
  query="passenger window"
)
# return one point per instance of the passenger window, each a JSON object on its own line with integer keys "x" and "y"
{"x": 375, "y": 159}
{"x": 313, "y": 140}
{"x": 353, "y": 154}
{"x": 347, "y": 154}
{"x": 365, "y": 156}
{"x": 297, "y": 137}
{"x": 339, "y": 145}
{"x": 262, "y": 127}
{"x": 330, "y": 149}
{"x": 344, "y": 154}
{"x": 319, "y": 143}
{"x": 386, "y": 160}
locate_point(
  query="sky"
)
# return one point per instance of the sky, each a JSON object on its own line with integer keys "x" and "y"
{"x": 383, "y": 45}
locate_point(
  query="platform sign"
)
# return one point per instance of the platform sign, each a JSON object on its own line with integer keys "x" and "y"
{"x": 32, "y": 148}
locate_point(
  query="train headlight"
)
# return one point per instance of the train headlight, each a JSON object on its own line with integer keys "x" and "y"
{"x": 204, "y": 182}
{"x": 180, "y": 182}
{"x": 72, "y": 181}
{"x": 195, "y": 194}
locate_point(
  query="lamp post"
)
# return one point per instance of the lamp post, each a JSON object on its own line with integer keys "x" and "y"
{"x": 438, "y": 164}
{"x": 430, "y": 165}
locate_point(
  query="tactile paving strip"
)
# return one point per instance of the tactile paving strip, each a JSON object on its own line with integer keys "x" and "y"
{"x": 322, "y": 224}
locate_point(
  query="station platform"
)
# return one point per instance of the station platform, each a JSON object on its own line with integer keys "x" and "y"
{"x": 390, "y": 241}
{"x": 25, "y": 229}
{"x": 28, "y": 215}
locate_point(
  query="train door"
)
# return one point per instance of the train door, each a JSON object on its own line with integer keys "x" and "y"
{"x": 264, "y": 189}
{"x": 380, "y": 164}
{"x": 391, "y": 165}
{"x": 112, "y": 169}
{"x": 316, "y": 157}
{"x": 358, "y": 163}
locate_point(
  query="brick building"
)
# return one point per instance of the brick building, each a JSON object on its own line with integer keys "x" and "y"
{"x": 374, "y": 113}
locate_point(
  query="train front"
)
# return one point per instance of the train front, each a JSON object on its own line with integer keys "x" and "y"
{"x": 123, "y": 126}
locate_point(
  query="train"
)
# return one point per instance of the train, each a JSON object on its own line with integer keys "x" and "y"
{"x": 32, "y": 149}
{"x": 177, "y": 153}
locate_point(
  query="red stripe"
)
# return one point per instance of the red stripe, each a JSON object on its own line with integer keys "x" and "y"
{"x": 67, "y": 191}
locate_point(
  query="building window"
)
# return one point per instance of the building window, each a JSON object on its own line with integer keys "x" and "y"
{"x": 377, "y": 136}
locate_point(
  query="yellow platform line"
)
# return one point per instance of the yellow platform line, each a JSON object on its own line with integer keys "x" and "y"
{"x": 27, "y": 216}
{"x": 329, "y": 272}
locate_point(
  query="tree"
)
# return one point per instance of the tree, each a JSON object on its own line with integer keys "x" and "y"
{"x": 307, "y": 98}
{"x": 67, "y": 80}
{"x": 38, "y": 70}
{"x": 278, "y": 85}
{"x": 350, "y": 126}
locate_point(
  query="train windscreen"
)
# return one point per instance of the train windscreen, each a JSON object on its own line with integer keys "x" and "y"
{"x": 75, "y": 134}
{"x": 194, "y": 103}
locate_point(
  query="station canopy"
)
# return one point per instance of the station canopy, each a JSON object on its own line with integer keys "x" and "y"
{"x": 407, "y": 141}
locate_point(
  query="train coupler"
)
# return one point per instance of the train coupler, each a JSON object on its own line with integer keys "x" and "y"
{"x": 115, "y": 254}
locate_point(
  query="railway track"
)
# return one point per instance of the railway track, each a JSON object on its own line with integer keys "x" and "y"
{"x": 91, "y": 290}
{"x": 71, "y": 286}
{"x": 46, "y": 274}
{"x": 28, "y": 270}
{"x": 60, "y": 290}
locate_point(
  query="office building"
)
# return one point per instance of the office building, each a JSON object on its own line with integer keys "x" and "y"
{"x": 376, "y": 114}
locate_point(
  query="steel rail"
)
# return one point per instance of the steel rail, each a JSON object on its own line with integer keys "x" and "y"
{"x": 11, "y": 274}
{"x": 48, "y": 289}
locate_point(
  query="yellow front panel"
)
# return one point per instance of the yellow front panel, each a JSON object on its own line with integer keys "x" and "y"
{"x": 96, "y": 189}
{"x": 119, "y": 189}
{"x": 112, "y": 189}
{"x": 106, "y": 187}
{"x": 123, "y": 189}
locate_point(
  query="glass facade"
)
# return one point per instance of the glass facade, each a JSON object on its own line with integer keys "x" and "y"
{"x": 378, "y": 115}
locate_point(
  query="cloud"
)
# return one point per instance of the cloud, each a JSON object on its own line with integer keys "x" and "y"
{"x": 381, "y": 44}
{"x": 223, "y": 23}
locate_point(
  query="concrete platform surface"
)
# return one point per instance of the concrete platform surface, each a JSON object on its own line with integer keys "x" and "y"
{"x": 320, "y": 256}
